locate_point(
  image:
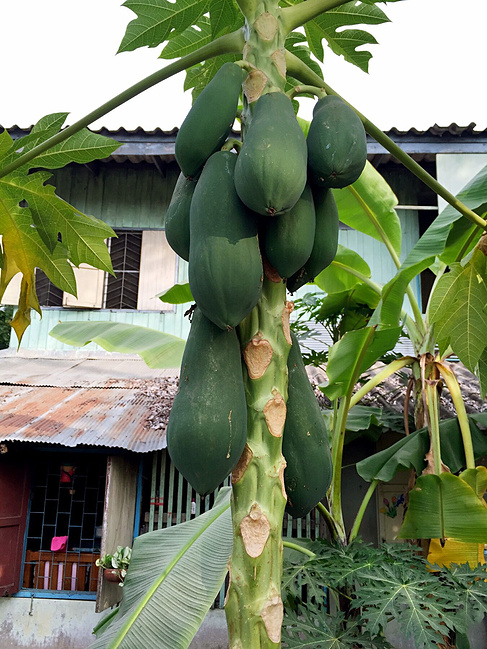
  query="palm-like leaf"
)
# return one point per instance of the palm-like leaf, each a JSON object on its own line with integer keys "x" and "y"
{"x": 156, "y": 348}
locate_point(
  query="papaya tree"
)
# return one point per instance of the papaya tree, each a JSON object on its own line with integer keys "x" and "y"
{"x": 256, "y": 50}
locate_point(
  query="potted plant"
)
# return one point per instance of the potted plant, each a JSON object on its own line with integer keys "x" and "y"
{"x": 115, "y": 565}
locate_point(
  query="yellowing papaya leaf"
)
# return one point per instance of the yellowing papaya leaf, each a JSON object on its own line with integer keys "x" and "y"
{"x": 38, "y": 228}
{"x": 442, "y": 507}
{"x": 457, "y": 309}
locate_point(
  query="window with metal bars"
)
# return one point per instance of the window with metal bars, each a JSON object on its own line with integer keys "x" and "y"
{"x": 65, "y": 522}
{"x": 121, "y": 290}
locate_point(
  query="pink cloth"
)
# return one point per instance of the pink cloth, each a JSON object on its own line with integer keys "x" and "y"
{"x": 59, "y": 543}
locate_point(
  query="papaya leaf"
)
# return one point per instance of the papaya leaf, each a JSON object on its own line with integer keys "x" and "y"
{"x": 159, "y": 20}
{"x": 199, "y": 76}
{"x": 225, "y": 17}
{"x": 368, "y": 206}
{"x": 336, "y": 277}
{"x": 156, "y": 348}
{"x": 354, "y": 354}
{"x": 344, "y": 42}
{"x": 444, "y": 506}
{"x": 296, "y": 44}
{"x": 177, "y": 294}
{"x": 457, "y": 309}
{"x": 175, "y": 570}
{"x": 191, "y": 39}
{"x": 33, "y": 218}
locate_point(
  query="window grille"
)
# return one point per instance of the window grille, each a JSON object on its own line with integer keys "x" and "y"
{"x": 67, "y": 500}
{"x": 47, "y": 293}
{"x": 121, "y": 291}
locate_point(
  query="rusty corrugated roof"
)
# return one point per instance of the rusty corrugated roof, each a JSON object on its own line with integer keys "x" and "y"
{"x": 70, "y": 401}
{"x": 107, "y": 417}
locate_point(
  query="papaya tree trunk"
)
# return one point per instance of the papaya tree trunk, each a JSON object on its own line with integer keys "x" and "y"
{"x": 254, "y": 607}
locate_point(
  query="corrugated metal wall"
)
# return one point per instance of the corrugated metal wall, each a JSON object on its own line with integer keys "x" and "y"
{"x": 125, "y": 197}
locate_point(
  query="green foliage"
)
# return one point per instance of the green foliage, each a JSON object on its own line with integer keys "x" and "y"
{"x": 174, "y": 570}
{"x": 6, "y": 314}
{"x": 38, "y": 228}
{"x": 445, "y": 506}
{"x": 391, "y": 582}
{"x": 156, "y": 348}
{"x": 344, "y": 42}
{"x": 457, "y": 308}
{"x": 354, "y": 354}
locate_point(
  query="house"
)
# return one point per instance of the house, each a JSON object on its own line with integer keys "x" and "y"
{"x": 82, "y": 447}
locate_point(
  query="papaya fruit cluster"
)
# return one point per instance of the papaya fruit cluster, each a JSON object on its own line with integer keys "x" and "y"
{"x": 274, "y": 201}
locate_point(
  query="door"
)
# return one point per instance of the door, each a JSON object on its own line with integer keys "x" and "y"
{"x": 14, "y": 499}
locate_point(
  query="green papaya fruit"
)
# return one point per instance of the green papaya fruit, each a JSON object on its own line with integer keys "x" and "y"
{"x": 207, "y": 427}
{"x": 270, "y": 174}
{"x": 325, "y": 242}
{"x": 177, "y": 216}
{"x": 225, "y": 265}
{"x": 210, "y": 120}
{"x": 337, "y": 144}
{"x": 289, "y": 237}
{"x": 305, "y": 444}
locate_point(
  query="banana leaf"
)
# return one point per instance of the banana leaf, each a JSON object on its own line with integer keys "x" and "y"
{"x": 173, "y": 578}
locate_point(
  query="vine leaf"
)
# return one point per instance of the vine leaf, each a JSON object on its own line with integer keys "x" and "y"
{"x": 39, "y": 229}
{"x": 159, "y": 20}
{"x": 457, "y": 308}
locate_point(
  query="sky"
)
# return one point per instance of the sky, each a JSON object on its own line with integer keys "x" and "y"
{"x": 60, "y": 55}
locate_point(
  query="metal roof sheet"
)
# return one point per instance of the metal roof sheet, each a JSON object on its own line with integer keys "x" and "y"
{"x": 71, "y": 401}
{"x": 107, "y": 417}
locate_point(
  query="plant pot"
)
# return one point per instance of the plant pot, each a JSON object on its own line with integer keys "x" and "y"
{"x": 112, "y": 575}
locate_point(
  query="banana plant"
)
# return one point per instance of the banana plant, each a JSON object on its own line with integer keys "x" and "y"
{"x": 267, "y": 38}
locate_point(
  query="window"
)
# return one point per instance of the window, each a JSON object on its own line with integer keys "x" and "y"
{"x": 144, "y": 266}
{"x": 65, "y": 523}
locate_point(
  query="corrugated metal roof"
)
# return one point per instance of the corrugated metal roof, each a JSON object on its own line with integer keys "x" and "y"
{"x": 153, "y": 146}
{"x": 70, "y": 401}
{"x": 107, "y": 417}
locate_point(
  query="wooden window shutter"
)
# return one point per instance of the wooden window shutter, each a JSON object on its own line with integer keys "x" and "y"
{"x": 118, "y": 520}
{"x": 12, "y": 292}
{"x": 15, "y": 492}
{"x": 90, "y": 283}
{"x": 157, "y": 271}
